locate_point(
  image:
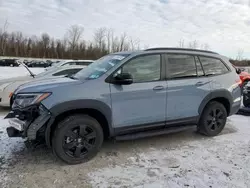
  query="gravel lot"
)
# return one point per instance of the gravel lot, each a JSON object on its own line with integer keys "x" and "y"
{"x": 185, "y": 159}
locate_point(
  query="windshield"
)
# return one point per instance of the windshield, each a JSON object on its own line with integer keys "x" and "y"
{"x": 100, "y": 66}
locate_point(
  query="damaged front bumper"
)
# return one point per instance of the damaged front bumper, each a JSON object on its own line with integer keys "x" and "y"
{"x": 27, "y": 122}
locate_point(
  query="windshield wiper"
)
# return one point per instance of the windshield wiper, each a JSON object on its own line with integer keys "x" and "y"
{"x": 31, "y": 73}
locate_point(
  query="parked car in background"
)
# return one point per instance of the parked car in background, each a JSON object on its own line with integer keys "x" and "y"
{"x": 127, "y": 95}
{"x": 245, "y": 78}
{"x": 36, "y": 63}
{"x": 49, "y": 62}
{"x": 8, "y": 86}
{"x": 246, "y": 95}
{"x": 72, "y": 62}
{"x": 244, "y": 75}
{"x": 9, "y": 62}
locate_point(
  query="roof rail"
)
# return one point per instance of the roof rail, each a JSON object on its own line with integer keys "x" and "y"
{"x": 184, "y": 49}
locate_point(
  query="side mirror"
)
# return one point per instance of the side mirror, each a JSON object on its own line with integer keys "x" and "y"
{"x": 123, "y": 79}
{"x": 238, "y": 70}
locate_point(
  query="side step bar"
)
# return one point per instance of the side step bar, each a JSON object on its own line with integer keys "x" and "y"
{"x": 151, "y": 133}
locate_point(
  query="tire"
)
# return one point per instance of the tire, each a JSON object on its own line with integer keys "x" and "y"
{"x": 213, "y": 119}
{"x": 244, "y": 84}
{"x": 246, "y": 101}
{"x": 73, "y": 147}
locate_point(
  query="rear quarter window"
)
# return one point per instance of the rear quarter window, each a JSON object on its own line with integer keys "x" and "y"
{"x": 213, "y": 66}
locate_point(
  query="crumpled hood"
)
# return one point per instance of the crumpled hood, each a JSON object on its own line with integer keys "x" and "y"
{"x": 19, "y": 78}
{"x": 43, "y": 85}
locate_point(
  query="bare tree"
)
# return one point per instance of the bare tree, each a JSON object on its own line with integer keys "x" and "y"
{"x": 240, "y": 54}
{"x": 123, "y": 41}
{"x": 73, "y": 35}
{"x": 134, "y": 43}
{"x": 181, "y": 43}
{"x": 204, "y": 46}
{"x": 99, "y": 37}
{"x": 109, "y": 36}
{"x": 3, "y": 37}
{"x": 45, "y": 42}
{"x": 193, "y": 44}
{"x": 71, "y": 46}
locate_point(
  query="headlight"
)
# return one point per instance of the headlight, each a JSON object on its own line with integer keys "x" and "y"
{"x": 3, "y": 86}
{"x": 28, "y": 99}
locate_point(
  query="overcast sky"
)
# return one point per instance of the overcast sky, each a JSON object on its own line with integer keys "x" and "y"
{"x": 223, "y": 24}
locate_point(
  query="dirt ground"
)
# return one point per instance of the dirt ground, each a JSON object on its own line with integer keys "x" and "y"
{"x": 185, "y": 159}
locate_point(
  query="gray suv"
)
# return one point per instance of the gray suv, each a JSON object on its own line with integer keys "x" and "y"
{"x": 127, "y": 95}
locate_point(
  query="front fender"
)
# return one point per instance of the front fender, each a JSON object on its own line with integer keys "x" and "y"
{"x": 78, "y": 104}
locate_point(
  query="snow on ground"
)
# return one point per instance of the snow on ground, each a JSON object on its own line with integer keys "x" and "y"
{"x": 222, "y": 161}
{"x": 185, "y": 159}
{"x": 9, "y": 72}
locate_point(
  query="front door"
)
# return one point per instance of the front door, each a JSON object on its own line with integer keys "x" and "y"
{"x": 144, "y": 101}
{"x": 187, "y": 87}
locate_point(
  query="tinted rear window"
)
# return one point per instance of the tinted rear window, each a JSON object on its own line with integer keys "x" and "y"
{"x": 213, "y": 66}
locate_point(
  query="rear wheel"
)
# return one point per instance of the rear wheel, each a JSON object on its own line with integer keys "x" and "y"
{"x": 213, "y": 119}
{"x": 246, "y": 100}
{"x": 77, "y": 139}
{"x": 244, "y": 84}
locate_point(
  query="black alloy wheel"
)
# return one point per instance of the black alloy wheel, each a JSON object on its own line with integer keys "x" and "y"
{"x": 213, "y": 119}
{"x": 79, "y": 141}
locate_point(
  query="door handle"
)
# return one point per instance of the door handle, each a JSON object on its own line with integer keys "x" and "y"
{"x": 158, "y": 88}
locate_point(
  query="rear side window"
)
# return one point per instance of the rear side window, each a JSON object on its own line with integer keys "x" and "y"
{"x": 181, "y": 66}
{"x": 213, "y": 66}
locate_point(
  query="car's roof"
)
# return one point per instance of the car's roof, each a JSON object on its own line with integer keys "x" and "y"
{"x": 171, "y": 50}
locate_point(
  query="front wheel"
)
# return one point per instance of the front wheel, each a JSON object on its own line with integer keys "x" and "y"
{"x": 213, "y": 119}
{"x": 77, "y": 139}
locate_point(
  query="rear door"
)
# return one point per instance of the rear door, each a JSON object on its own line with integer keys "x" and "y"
{"x": 187, "y": 87}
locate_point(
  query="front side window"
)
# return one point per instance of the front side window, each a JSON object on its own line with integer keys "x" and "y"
{"x": 213, "y": 66}
{"x": 144, "y": 68}
{"x": 181, "y": 66}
